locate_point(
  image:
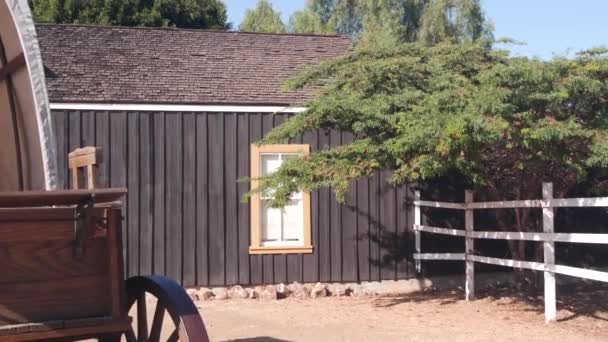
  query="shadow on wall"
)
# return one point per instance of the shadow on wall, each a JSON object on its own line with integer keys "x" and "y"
{"x": 396, "y": 244}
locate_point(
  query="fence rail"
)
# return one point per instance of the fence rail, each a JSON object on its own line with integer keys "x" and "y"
{"x": 439, "y": 256}
{"x": 581, "y": 202}
{"x": 527, "y": 236}
{"x": 548, "y": 237}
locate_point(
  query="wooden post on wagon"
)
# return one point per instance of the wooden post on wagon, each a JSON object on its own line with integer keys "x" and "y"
{"x": 87, "y": 159}
{"x": 469, "y": 285}
{"x": 549, "y": 253}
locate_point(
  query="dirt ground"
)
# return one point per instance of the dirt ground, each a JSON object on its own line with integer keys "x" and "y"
{"x": 497, "y": 315}
{"x": 429, "y": 316}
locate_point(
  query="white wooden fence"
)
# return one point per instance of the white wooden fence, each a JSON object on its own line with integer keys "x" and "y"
{"x": 548, "y": 237}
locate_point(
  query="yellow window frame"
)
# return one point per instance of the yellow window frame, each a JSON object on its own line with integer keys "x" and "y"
{"x": 256, "y": 246}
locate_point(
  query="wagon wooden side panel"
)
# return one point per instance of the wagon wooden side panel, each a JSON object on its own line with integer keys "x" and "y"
{"x": 55, "y": 283}
{"x": 41, "y": 278}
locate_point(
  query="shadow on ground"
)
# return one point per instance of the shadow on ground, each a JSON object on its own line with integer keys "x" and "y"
{"x": 258, "y": 339}
{"x": 443, "y": 297}
{"x": 575, "y": 300}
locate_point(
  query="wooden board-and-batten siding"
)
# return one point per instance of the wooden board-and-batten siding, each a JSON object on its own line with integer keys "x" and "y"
{"x": 184, "y": 217}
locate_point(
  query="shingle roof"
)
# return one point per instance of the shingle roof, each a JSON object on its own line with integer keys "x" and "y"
{"x": 152, "y": 65}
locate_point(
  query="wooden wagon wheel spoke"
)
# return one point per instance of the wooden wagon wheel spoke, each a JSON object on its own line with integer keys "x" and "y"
{"x": 130, "y": 336}
{"x": 157, "y": 323}
{"x": 187, "y": 324}
{"x": 142, "y": 318}
{"x": 174, "y": 337}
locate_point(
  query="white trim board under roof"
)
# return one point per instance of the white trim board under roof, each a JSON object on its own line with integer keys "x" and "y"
{"x": 175, "y": 108}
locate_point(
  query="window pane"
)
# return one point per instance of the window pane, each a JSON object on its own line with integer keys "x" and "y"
{"x": 285, "y": 226}
{"x": 271, "y": 223}
{"x": 293, "y": 220}
{"x": 297, "y": 195}
{"x": 270, "y": 163}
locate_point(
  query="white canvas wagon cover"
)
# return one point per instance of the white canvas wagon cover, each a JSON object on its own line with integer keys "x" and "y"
{"x": 27, "y": 147}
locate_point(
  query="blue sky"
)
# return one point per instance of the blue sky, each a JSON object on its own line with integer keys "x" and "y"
{"x": 548, "y": 27}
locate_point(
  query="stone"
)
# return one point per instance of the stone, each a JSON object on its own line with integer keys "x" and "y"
{"x": 360, "y": 291}
{"x": 193, "y": 294}
{"x": 375, "y": 286}
{"x": 338, "y": 290}
{"x": 309, "y": 287}
{"x": 220, "y": 293}
{"x": 205, "y": 294}
{"x": 269, "y": 293}
{"x": 299, "y": 291}
{"x": 238, "y": 292}
{"x": 319, "y": 290}
{"x": 253, "y": 294}
{"x": 283, "y": 291}
{"x": 257, "y": 292}
{"x": 353, "y": 287}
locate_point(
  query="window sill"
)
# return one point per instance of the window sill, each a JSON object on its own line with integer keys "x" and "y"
{"x": 281, "y": 250}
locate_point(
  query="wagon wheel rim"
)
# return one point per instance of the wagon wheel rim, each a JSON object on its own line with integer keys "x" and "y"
{"x": 173, "y": 301}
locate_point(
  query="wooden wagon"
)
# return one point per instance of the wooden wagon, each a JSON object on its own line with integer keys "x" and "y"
{"x": 61, "y": 255}
{"x": 62, "y": 274}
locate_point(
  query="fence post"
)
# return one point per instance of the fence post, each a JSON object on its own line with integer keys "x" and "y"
{"x": 549, "y": 254}
{"x": 469, "y": 247}
{"x": 417, "y": 222}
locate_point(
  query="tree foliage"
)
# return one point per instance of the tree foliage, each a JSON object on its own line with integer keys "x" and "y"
{"x": 457, "y": 20}
{"x": 307, "y": 21}
{"x": 506, "y": 124}
{"x": 177, "y": 13}
{"x": 263, "y": 18}
{"x": 389, "y": 22}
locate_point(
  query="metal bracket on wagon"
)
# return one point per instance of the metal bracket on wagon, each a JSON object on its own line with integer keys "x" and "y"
{"x": 83, "y": 225}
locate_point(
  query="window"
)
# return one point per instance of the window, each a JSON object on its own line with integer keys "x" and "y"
{"x": 278, "y": 230}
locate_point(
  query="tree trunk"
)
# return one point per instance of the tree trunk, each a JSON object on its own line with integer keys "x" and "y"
{"x": 524, "y": 279}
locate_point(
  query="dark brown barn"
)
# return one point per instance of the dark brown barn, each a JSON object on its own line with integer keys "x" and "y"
{"x": 176, "y": 113}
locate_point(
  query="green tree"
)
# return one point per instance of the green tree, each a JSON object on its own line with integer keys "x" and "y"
{"x": 386, "y": 22}
{"x": 44, "y": 11}
{"x": 264, "y": 18}
{"x": 458, "y": 20}
{"x": 306, "y": 21}
{"x": 328, "y": 16}
{"x": 505, "y": 124}
{"x": 176, "y": 13}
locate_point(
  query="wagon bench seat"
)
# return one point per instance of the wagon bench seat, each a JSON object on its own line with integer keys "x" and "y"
{"x": 20, "y": 199}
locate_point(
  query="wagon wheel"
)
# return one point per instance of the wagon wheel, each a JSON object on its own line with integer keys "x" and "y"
{"x": 172, "y": 300}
